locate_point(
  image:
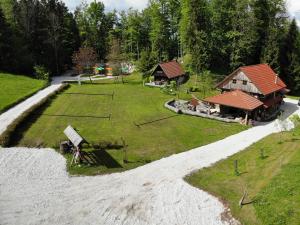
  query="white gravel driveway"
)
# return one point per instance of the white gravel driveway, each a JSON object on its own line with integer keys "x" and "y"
{"x": 36, "y": 189}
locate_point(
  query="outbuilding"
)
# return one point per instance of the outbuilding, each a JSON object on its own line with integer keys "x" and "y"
{"x": 168, "y": 71}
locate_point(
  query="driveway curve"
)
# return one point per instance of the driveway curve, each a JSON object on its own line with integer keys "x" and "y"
{"x": 36, "y": 189}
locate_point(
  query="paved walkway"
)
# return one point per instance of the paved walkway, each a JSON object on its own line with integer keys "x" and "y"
{"x": 36, "y": 189}
{"x": 12, "y": 114}
{"x": 9, "y": 116}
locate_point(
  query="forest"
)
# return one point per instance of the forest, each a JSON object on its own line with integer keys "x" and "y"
{"x": 215, "y": 35}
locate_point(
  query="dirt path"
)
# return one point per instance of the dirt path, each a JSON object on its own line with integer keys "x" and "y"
{"x": 36, "y": 189}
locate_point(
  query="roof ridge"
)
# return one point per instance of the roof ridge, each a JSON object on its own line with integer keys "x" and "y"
{"x": 254, "y": 65}
{"x": 168, "y": 62}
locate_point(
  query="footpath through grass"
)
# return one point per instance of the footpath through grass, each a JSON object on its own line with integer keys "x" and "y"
{"x": 15, "y": 88}
{"x": 271, "y": 177}
{"x": 88, "y": 107}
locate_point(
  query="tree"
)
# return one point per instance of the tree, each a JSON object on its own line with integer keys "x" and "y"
{"x": 290, "y": 57}
{"x": 6, "y": 45}
{"x": 159, "y": 32}
{"x": 94, "y": 27}
{"x": 269, "y": 25}
{"x": 115, "y": 57}
{"x": 147, "y": 62}
{"x": 223, "y": 16}
{"x": 241, "y": 37}
{"x": 84, "y": 59}
{"x": 195, "y": 32}
{"x": 261, "y": 9}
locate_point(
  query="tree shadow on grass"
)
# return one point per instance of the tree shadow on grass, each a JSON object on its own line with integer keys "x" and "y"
{"x": 100, "y": 158}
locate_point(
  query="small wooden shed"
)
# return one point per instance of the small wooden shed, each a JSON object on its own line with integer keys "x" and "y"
{"x": 165, "y": 72}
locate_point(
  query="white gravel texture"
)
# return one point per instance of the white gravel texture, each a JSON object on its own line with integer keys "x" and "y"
{"x": 36, "y": 189}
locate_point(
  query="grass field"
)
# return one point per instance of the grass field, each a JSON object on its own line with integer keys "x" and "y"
{"x": 272, "y": 180}
{"x": 14, "y": 88}
{"x": 293, "y": 97}
{"x": 88, "y": 107}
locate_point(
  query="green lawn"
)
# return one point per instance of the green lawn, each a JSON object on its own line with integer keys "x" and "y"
{"x": 132, "y": 104}
{"x": 293, "y": 97}
{"x": 14, "y": 88}
{"x": 272, "y": 181}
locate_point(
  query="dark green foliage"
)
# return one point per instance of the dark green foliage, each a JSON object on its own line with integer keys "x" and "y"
{"x": 147, "y": 62}
{"x": 195, "y": 32}
{"x": 290, "y": 57}
{"x": 94, "y": 26}
{"x": 219, "y": 35}
{"x": 6, "y": 44}
{"x": 41, "y": 73}
{"x": 42, "y": 33}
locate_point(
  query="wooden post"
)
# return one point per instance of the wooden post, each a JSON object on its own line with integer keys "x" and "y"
{"x": 79, "y": 79}
{"x": 236, "y": 170}
{"x": 262, "y": 156}
{"x": 246, "y": 118}
{"x": 125, "y": 157}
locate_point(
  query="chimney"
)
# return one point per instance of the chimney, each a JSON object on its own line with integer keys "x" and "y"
{"x": 276, "y": 79}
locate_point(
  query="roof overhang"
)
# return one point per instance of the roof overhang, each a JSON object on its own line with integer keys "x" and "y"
{"x": 236, "y": 99}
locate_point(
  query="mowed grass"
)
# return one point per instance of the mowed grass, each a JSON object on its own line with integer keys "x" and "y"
{"x": 86, "y": 107}
{"x": 14, "y": 88}
{"x": 272, "y": 181}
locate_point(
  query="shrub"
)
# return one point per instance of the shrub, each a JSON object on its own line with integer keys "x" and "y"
{"x": 41, "y": 73}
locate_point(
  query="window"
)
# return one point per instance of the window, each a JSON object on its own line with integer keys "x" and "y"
{"x": 234, "y": 81}
{"x": 245, "y": 82}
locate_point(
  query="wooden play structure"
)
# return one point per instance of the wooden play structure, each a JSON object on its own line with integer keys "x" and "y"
{"x": 76, "y": 143}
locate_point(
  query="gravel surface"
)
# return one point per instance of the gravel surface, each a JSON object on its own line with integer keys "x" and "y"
{"x": 36, "y": 189}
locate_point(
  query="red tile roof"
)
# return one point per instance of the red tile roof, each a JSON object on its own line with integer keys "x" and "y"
{"x": 236, "y": 99}
{"x": 262, "y": 76}
{"x": 172, "y": 69}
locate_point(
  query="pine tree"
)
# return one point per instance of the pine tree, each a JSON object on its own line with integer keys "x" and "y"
{"x": 241, "y": 37}
{"x": 290, "y": 57}
{"x": 223, "y": 18}
{"x": 195, "y": 32}
{"x": 261, "y": 9}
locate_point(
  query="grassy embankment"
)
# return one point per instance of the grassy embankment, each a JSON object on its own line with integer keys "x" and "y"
{"x": 271, "y": 177}
{"x": 15, "y": 88}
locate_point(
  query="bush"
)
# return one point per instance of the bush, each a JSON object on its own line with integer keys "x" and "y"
{"x": 116, "y": 69}
{"x": 41, "y": 73}
{"x": 194, "y": 89}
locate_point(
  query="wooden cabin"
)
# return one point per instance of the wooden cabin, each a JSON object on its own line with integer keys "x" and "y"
{"x": 254, "y": 92}
{"x": 168, "y": 71}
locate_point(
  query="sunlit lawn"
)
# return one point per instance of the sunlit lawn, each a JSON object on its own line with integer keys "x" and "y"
{"x": 14, "y": 88}
{"x": 87, "y": 107}
{"x": 269, "y": 172}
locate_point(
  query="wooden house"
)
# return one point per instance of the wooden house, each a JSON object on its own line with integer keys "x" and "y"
{"x": 255, "y": 92}
{"x": 168, "y": 71}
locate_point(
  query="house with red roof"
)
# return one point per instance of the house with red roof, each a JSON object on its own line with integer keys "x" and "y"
{"x": 168, "y": 71}
{"x": 254, "y": 92}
